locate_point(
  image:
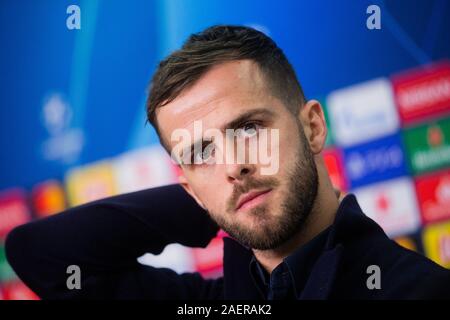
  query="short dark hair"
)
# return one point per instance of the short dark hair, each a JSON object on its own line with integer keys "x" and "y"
{"x": 218, "y": 44}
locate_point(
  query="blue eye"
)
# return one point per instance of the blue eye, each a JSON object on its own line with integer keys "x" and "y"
{"x": 204, "y": 155}
{"x": 249, "y": 130}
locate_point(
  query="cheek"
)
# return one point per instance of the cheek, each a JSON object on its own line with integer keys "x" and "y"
{"x": 209, "y": 190}
{"x": 288, "y": 149}
{"x": 215, "y": 201}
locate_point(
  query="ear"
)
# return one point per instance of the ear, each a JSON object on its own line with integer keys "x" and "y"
{"x": 313, "y": 120}
{"x": 185, "y": 184}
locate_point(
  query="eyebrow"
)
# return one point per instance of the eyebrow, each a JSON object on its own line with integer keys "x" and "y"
{"x": 233, "y": 124}
{"x": 236, "y": 123}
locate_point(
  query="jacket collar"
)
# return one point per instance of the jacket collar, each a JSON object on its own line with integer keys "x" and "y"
{"x": 350, "y": 225}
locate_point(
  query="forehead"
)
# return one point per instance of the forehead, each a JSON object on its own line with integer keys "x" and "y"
{"x": 221, "y": 94}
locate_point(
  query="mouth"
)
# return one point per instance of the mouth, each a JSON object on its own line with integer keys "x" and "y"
{"x": 252, "y": 199}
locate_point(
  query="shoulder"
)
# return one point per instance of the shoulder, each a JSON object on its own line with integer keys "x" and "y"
{"x": 411, "y": 275}
{"x": 405, "y": 274}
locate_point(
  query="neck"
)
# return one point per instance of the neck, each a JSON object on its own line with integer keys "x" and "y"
{"x": 321, "y": 217}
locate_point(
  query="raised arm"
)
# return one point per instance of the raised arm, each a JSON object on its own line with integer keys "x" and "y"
{"x": 104, "y": 238}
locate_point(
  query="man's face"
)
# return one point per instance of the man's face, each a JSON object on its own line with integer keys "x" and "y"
{"x": 259, "y": 210}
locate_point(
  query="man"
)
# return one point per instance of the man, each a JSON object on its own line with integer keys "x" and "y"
{"x": 290, "y": 237}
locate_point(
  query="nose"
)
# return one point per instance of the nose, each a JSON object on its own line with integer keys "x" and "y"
{"x": 239, "y": 172}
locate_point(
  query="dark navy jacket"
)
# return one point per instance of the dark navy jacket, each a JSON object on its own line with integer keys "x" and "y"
{"x": 105, "y": 237}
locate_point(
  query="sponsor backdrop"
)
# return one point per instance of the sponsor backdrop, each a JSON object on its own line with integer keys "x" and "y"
{"x": 73, "y": 119}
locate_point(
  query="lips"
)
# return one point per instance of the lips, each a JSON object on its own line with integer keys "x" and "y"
{"x": 250, "y": 196}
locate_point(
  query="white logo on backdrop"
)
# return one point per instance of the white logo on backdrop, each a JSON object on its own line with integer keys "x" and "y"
{"x": 64, "y": 143}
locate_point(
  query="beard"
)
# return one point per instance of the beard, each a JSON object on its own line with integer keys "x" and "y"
{"x": 271, "y": 231}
